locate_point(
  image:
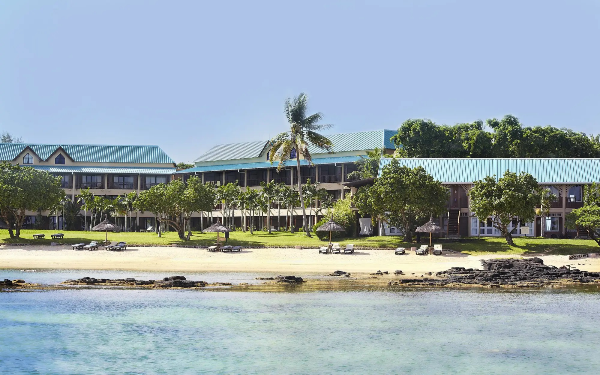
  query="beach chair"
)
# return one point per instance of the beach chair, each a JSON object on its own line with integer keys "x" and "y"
{"x": 213, "y": 248}
{"x": 437, "y": 249}
{"x": 110, "y": 245}
{"x": 349, "y": 249}
{"x": 57, "y": 236}
{"x": 78, "y": 246}
{"x": 236, "y": 248}
{"x": 422, "y": 250}
{"x": 323, "y": 250}
{"x": 92, "y": 246}
{"x": 227, "y": 249}
{"x": 335, "y": 248}
{"x": 400, "y": 251}
{"x": 120, "y": 246}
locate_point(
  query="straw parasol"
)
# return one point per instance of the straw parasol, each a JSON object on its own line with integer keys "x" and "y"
{"x": 429, "y": 227}
{"x": 104, "y": 226}
{"x": 331, "y": 226}
{"x": 216, "y": 227}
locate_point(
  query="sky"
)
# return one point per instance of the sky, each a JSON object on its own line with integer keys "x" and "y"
{"x": 189, "y": 75}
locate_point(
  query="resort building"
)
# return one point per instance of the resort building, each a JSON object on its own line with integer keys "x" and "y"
{"x": 107, "y": 170}
{"x": 565, "y": 178}
{"x": 247, "y": 164}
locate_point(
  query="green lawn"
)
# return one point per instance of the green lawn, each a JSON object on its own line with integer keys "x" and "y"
{"x": 471, "y": 246}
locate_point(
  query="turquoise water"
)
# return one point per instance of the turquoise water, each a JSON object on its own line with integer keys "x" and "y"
{"x": 190, "y": 332}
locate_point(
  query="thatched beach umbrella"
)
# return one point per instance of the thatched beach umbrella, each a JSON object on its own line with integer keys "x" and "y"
{"x": 216, "y": 227}
{"x": 429, "y": 227}
{"x": 331, "y": 226}
{"x": 104, "y": 226}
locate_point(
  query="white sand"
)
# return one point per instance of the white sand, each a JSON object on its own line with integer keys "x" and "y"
{"x": 292, "y": 261}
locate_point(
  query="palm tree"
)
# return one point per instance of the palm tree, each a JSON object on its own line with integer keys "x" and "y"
{"x": 291, "y": 144}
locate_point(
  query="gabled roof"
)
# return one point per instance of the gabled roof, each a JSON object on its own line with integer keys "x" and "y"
{"x": 91, "y": 153}
{"x": 231, "y": 151}
{"x": 359, "y": 141}
{"x": 545, "y": 171}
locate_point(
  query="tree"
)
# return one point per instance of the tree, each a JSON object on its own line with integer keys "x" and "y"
{"x": 511, "y": 199}
{"x": 173, "y": 203}
{"x": 26, "y": 189}
{"x": 588, "y": 216}
{"x": 270, "y": 192}
{"x": 71, "y": 210}
{"x": 183, "y": 165}
{"x": 251, "y": 201}
{"x": 367, "y": 167}
{"x": 86, "y": 200}
{"x": 227, "y": 196}
{"x": 295, "y": 142}
{"x": 6, "y": 137}
{"x": 343, "y": 214}
{"x": 403, "y": 197}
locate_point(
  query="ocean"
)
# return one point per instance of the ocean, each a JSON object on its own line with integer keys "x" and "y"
{"x": 99, "y": 331}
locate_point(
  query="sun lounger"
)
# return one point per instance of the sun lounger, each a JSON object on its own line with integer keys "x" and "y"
{"x": 335, "y": 248}
{"x": 236, "y": 248}
{"x": 422, "y": 250}
{"x": 349, "y": 249}
{"x": 78, "y": 246}
{"x": 120, "y": 246}
{"x": 400, "y": 251}
{"x": 227, "y": 248}
{"x": 323, "y": 250}
{"x": 437, "y": 249}
{"x": 39, "y": 236}
{"x": 92, "y": 246}
{"x": 57, "y": 236}
{"x": 213, "y": 248}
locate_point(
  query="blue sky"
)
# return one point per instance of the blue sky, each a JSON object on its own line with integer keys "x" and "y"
{"x": 187, "y": 75}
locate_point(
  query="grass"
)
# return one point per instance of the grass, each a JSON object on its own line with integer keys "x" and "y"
{"x": 473, "y": 246}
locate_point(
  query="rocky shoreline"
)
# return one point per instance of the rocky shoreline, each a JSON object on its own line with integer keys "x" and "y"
{"x": 495, "y": 273}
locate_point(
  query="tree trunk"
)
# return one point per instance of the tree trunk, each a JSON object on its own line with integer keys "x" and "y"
{"x": 301, "y": 197}
{"x": 269, "y": 215}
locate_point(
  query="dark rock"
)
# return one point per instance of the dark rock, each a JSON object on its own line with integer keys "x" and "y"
{"x": 289, "y": 279}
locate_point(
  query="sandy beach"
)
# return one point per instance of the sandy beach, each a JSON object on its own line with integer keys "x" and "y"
{"x": 289, "y": 261}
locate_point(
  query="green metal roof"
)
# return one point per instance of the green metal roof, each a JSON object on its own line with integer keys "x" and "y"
{"x": 367, "y": 140}
{"x": 545, "y": 171}
{"x": 246, "y": 150}
{"x": 102, "y": 170}
{"x": 91, "y": 153}
{"x": 266, "y": 164}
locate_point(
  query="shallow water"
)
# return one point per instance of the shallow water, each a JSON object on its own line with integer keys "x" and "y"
{"x": 169, "y": 331}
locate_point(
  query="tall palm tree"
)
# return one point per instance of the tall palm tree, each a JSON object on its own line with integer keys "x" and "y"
{"x": 295, "y": 142}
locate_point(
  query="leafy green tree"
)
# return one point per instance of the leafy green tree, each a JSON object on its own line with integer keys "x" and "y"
{"x": 86, "y": 201}
{"x": 302, "y": 134}
{"x": 252, "y": 203}
{"x": 291, "y": 199}
{"x": 173, "y": 203}
{"x": 343, "y": 214}
{"x": 227, "y": 196}
{"x": 367, "y": 167}
{"x": 197, "y": 197}
{"x": 403, "y": 197}
{"x": 270, "y": 192}
{"x": 511, "y": 199}
{"x": 71, "y": 211}
{"x": 183, "y": 165}
{"x": 26, "y": 189}
{"x": 588, "y": 216}
{"x": 419, "y": 138}
{"x": 6, "y": 137}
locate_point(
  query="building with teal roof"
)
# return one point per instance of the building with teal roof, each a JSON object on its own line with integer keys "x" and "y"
{"x": 247, "y": 164}
{"x": 107, "y": 170}
{"x": 565, "y": 178}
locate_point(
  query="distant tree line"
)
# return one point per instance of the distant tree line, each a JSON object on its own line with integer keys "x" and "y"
{"x": 508, "y": 138}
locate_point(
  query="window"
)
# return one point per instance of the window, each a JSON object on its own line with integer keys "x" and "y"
{"x": 123, "y": 182}
{"x": 554, "y": 192}
{"x": 293, "y": 154}
{"x": 574, "y": 194}
{"x": 60, "y": 159}
{"x": 212, "y": 177}
{"x": 65, "y": 181}
{"x": 552, "y": 224}
{"x": 91, "y": 181}
{"x": 330, "y": 173}
{"x": 27, "y": 159}
{"x": 256, "y": 176}
{"x": 155, "y": 180}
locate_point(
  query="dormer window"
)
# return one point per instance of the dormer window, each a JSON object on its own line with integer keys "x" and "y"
{"x": 27, "y": 159}
{"x": 293, "y": 154}
{"x": 60, "y": 159}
